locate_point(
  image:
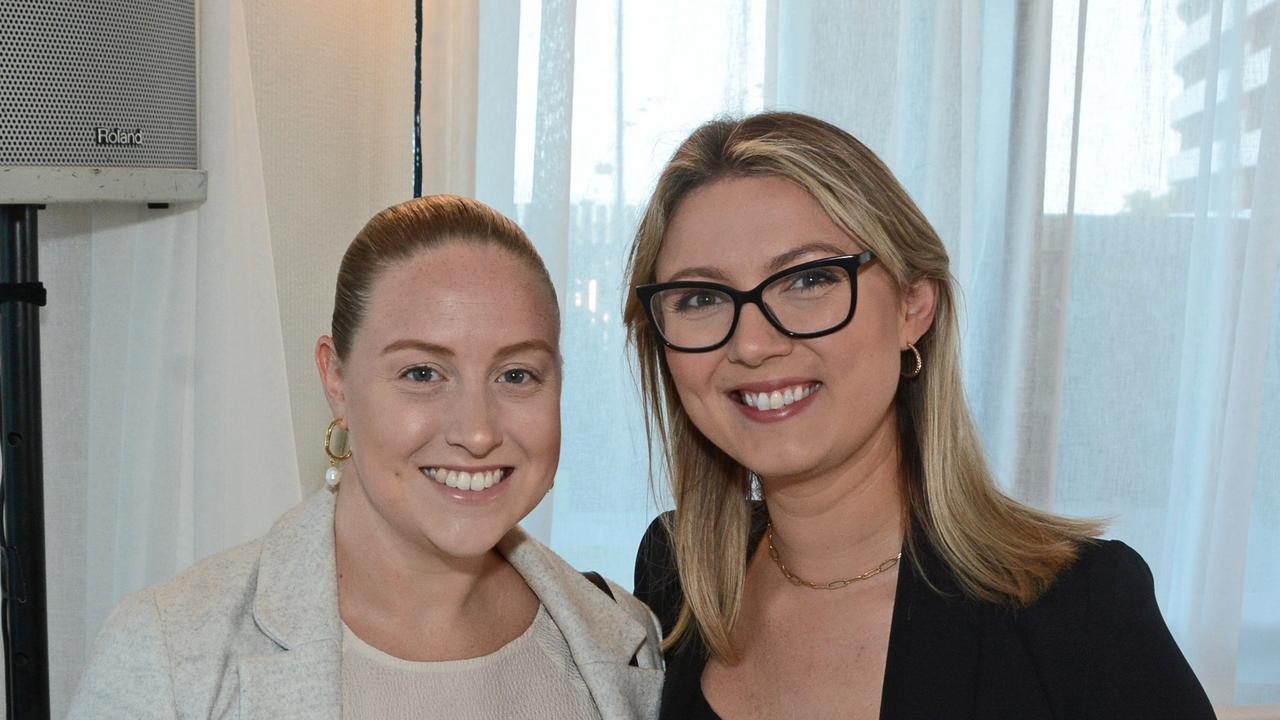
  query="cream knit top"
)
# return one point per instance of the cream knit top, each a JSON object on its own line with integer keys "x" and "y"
{"x": 531, "y": 677}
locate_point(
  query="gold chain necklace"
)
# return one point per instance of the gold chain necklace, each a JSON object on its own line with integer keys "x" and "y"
{"x": 834, "y": 584}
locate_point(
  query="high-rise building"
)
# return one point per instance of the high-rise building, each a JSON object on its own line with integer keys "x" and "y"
{"x": 1241, "y": 58}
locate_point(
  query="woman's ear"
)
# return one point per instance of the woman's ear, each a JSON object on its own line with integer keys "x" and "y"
{"x": 918, "y": 305}
{"x": 331, "y": 378}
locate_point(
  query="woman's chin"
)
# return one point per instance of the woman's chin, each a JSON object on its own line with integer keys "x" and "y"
{"x": 780, "y": 466}
{"x": 470, "y": 535}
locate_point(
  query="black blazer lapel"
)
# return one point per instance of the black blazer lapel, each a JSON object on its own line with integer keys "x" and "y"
{"x": 932, "y": 667}
{"x": 952, "y": 657}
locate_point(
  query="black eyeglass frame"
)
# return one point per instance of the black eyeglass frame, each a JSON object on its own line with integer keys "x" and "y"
{"x": 850, "y": 263}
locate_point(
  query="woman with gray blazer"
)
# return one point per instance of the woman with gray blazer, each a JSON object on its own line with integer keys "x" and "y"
{"x": 404, "y": 588}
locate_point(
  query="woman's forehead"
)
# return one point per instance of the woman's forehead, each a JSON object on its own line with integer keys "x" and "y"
{"x": 461, "y": 293}
{"x": 741, "y": 223}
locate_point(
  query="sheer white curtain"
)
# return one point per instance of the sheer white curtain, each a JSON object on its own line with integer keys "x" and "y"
{"x": 1106, "y": 177}
{"x": 166, "y": 421}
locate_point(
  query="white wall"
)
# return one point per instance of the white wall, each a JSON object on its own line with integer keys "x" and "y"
{"x": 333, "y": 83}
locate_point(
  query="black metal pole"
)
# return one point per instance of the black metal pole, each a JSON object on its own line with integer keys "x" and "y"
{"x": 26, "y": 658}
{"x": 417, "y": 100}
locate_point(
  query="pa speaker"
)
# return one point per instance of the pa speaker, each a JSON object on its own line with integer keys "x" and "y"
{"x": 99, "y": 101}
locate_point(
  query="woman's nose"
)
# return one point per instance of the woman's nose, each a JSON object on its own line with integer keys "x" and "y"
{"x": 755, "y": 340}
{"x": 475, "y": 425}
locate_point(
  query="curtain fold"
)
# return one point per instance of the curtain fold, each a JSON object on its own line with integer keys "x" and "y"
{"x": 1230, "y": 304}
{"x": 546, "y": 218}
{"x": 496, "y": 105}
{"x": 1252, "y": 448}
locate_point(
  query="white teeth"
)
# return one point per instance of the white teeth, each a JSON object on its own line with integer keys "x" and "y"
{"x": 463, "y": 480}
{"x": 778, "y": 398}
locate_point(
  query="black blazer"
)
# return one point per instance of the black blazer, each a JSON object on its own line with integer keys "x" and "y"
{"x": 1094, "y": 646}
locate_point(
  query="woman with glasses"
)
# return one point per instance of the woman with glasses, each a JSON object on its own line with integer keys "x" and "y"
{"x": 404, "y": 589}
{"x": 839, "y": 547}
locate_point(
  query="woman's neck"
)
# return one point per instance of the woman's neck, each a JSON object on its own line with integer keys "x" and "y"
{"x": 414, "y": 602}
{"x": 844, "y": 521}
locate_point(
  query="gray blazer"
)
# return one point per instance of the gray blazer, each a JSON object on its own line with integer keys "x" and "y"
{"x": 254, "y": 633}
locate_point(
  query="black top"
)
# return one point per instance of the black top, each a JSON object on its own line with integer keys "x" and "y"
{"x": 1094, "y": 646}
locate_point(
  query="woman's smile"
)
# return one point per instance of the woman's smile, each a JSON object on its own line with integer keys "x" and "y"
{"x": 474, "y": 485}
{"x": 774, "y": 400}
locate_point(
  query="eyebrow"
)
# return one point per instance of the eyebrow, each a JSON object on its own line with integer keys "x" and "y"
{"x": 777, "y": 263}
{"x": 789, "y": 257}
{"x": 536, "y": 345}
{"x": 410, "y": 344}
{"x": 504, "y": 351}
{"x": 700, "y": 272}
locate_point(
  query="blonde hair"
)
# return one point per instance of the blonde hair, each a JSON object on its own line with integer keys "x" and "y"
{"x": 997, "y": 549}
{"x": 402, "y": 231}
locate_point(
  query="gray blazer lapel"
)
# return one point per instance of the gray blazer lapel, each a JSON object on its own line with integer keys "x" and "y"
{"x": 304, "y": 682}
{"x": 296, "y": 605}
{"x": 603, "y": 634}
{"x": 622, "y": 691}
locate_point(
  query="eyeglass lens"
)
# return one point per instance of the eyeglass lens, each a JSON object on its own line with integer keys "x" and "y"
{"x": 807, "y": 301}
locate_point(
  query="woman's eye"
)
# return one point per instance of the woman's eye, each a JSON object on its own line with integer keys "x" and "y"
{"x": 421, "y": 374}
{"x": 516, "y": 377}
{"x": 813, "y": 279}
{"x": 696, "y": 300}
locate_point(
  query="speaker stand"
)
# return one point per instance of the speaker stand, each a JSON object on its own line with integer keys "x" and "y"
{"x": 26, "y": 639}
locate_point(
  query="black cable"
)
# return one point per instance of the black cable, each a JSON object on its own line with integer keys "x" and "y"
{"x": 417, "y": 103}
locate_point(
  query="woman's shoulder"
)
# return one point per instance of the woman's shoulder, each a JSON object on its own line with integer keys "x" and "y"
{"x": 657, "y": 577}
{"x": 1102, "y": 611}
{"x": 655, "y": 558}
{"x": 225, "y": 583}
{"x": 152, "y": 631}
{"x": 1103, "y": 570}
{"x": 643, "y": 616}
{"x": 166, "y": 646}
{"x": 216, "y": 586}
{"x": 1107, "y": 594}
{"x": 657, "y": 581}
{"x": 210, "y": 593}
{"x": 1107, "y": 582}
{"x": 656, "y": 541}
{"x": 563, "y": 589}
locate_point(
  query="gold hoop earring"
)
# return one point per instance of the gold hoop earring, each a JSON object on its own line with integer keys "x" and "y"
{"x": 919, "y": 363}
{"x": 331, "y": 475}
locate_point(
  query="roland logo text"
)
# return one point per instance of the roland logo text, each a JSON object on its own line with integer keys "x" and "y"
{"x": 116, "y": 136}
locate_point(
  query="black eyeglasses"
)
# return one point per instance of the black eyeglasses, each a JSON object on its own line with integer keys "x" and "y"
{"x": 808, "y": 300}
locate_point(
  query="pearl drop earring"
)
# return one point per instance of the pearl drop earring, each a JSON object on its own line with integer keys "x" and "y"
{"x": 332, "y": 474}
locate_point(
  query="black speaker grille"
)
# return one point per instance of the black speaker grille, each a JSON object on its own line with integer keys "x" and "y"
{"x": 99, "y": 83}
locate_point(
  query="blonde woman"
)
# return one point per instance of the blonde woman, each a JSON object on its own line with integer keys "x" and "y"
{"x": 404, "y": 589}
{"x": 793, "y": 316}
